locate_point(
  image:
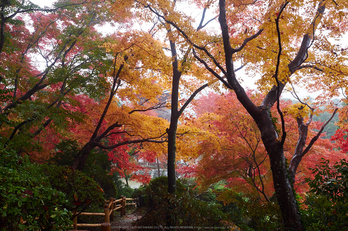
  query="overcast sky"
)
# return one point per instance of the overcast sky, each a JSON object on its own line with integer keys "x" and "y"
{"x": 43, "y": 3}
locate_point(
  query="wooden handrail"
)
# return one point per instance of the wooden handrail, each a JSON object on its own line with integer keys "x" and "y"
{"x": 110, "y": 206}
{"x": 92, "y": 214}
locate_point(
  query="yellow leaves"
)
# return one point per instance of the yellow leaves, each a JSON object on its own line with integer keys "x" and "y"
{"x": 146, "y": 73}
{"x": 190, "y": 142}
{"x": 297, "y": 110}
{"x": 138, "y": 46}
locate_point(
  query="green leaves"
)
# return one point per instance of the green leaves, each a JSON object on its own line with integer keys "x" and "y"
{"x": 328, "y": 198}
{"x": 81, "y": 191}
{"x": 184, "y": 208}
{"x": 27, "y": 200}
{"x": 46, "y": 62}
{"x": 331, "y": 181}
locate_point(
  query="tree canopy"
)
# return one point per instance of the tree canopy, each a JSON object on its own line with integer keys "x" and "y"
{"x": 171, "y": 80}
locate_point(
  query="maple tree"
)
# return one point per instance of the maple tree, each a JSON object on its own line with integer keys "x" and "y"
{"x": 181, "y": 66}
{"x": 280, "y": 40}
{"x": 233, "y": 151}
{"x": 230, "y": 147}
{"x": 45, "y": 61}
{"x": 56, "y": 69}
{"x": 118, "y": 126}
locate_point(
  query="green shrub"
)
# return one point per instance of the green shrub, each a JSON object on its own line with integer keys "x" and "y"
{"x": 81, "y": 191}
{"x": 125, "y": 191}
{"x": 97, "y": 166}
{"x": 180, "y": 209}
{"x": 27, "y": 200}
{"x": 327, "y": 202}
{"x": 250, "y": 213}
{"x": 323, "y": 214}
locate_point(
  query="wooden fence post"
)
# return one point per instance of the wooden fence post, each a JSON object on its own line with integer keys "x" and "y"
{"x": 75, "y": 219}
{"x": 105, "y": 226}
{"x": 123, "y": 204}
{"x": 112, "y": 201}
{"x": 107, "y": 214}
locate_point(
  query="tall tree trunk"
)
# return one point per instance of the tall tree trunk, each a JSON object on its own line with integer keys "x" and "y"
{"x": 158, "y": 168}
{"x": 81, "y": 158}
{"x": 174, "y": 117}
{"x": 172, "y": 133}
{"x": 281, "y": 181}
{"x": 282, "y": 185}
{"x": 171, "y": 157}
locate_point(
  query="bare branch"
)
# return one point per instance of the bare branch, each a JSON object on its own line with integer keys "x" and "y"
{"x": 191, "y": 98}
{"x": 211, "y": 70}
{"x": 276, "y": 75}
{"x": 316, "y": 137}
{"x": 309, "y": 66}
{"x": 200, "y": 26}
{"x": 161, "y": 105}
{"x": 298, "y": 98}
{"x": 248, "y": 40}
{"x": 152, "y": 140}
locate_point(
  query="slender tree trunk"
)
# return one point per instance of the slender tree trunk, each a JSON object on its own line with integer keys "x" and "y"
{"x": 174, "y": 117}
{"x": 158, "y": 168}
{"x": 126, "y": 178}
{"x": 172, "y": 133}
{"x": 171, "y": 158}
{"x": 301, "y": 142}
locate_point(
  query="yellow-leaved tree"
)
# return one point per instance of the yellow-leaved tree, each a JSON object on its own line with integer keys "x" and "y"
{"x": 136, "y": 81}
{"x": 182, "y": 67}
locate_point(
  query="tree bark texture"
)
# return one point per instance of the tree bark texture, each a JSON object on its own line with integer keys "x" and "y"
{"x": 301, "y": 142}
{"x": 172, "y": 132}
{"x": 281, "y": 181}
{"x": 171, "y": 159}
{"x": 174, "y": 116}
{"x": 81, "y": 158}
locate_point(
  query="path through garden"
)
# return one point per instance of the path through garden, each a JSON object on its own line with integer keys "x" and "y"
{"x": 125, "y": 223}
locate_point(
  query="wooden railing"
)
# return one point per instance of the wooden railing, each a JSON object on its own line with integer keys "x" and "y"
{"x": 110, "y": 207}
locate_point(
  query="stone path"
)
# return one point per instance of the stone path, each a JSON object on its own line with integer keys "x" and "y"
{"x": 125, "y": 223}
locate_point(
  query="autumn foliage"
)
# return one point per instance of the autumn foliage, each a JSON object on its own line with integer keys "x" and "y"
{"x": 152, "y": 80}
{"x": 230, "y": 147}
